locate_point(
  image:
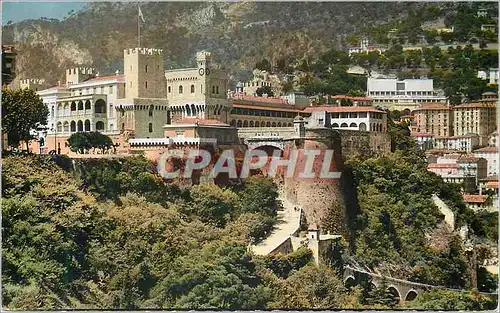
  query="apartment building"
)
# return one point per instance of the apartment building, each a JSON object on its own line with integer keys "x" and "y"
{"x": 477, "y": 117}
{"x": 433, "y": 119}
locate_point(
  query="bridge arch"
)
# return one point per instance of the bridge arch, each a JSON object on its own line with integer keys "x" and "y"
{"x": 395, "y": 292}
{"x": 350, "y": 281}
{"x": 411, "y": 295}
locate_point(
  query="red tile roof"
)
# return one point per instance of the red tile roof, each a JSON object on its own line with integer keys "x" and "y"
{"x": 492, "y": 184}
{"x": 475, "y": 198}
{"x": 352, "y": 98}
{"x": 432, "y": 107}
{"x": 342, "y": 109}
{"x": 442, "y": 165}
{"x": 119, "y": 77}
{"x": 493, "y": 149}
{"x": 237, "y": 97}
{"x": 258, "y": 107}
{"x": 474, "y": 105}
{"x": 421, "y": 135}
{"x": 199, "y": 121}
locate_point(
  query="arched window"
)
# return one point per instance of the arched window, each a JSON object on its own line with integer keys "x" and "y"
{"x": 150, "y": 127}
{"x": 213, "y": 89}
{"x": 169, "y": 89}
{"x": 73, "y": 126}
{"x": 335, "y": 125}
{"x": 99, "y": 125}
{"x": 180, "y": 89}
{"x": 238, "y": 124}
{"x": 87, "y": 105}
{"x": 251, "y": 123}
{"x": 245, "y": 123}
{"x": 192, "y": 88}
{"x": 233, "y": 123}
{"x": 66, "y": 127}
{"x": 217, "y": 89}
{"x": 273, "y": 124}
{"x": 343, "y": 125}
{"x": 100, "y": 106}
{"x": 279, "y": 124}
{"x": 87, "y": 125}
{"x": 80, "y": 126}
{"x": 353, "y": 125}
{"x": 80, "y": 105}
{"x": 73, "y": 106}
{"x": 268, "y": 124}
{"x": 59, "y": 127}
{"x": 362, "y": 126}
{"x": 151, "y": 110}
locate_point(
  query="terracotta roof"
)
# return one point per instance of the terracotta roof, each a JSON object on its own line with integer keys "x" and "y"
{"x": 352, "y": 98}
{"x": 475, "y": 198}
{"x": 200, "y": 121}
{"x": 258, "y": 107}
{"x": 442, "y": 165}
{"x": 237, "y": 97}
{"x": 492, "y": 184}
{"x": 432, "y": 107}
{"x": 440, "y": 150}
{"x": 468, "y": 158}
{"x": 487, "y": 149}
{"x": 120, "y": 77}
{"x": 474, "y": 105}
{"x": 342, "y": 109}
{"x": 406, "y": 116}
{"x": 421, "y": 135}
{"x": 490, "y": 178}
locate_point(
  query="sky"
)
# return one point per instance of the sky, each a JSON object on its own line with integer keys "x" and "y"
{"x": 16, "y": 11}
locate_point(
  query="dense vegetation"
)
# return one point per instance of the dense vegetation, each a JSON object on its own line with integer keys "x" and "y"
{"x": 398, "y": 229}
{"x": 111, "y": 234}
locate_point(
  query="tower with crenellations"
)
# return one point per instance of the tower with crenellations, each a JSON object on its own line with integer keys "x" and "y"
{"x": 78, "y": 75}
{"x": 144, "y": 73}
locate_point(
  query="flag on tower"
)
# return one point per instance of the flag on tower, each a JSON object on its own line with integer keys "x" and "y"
{"x": 140, "y": 14}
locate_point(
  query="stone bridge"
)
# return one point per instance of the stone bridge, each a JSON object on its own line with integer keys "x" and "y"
{"x": 403, "y": 290}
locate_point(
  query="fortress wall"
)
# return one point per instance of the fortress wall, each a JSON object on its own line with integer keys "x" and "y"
{"x": 364, "y": 143}
{"x": 320, "y": 198}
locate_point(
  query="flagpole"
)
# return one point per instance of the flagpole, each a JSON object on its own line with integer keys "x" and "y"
{"x": 138, "y": 27}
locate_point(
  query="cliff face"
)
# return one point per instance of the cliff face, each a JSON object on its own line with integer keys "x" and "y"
{"x": 239, "y": 33}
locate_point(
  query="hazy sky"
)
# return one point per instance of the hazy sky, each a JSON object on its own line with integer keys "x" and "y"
{"x": 22, "y": 10}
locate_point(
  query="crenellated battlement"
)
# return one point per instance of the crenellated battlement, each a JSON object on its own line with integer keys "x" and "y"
{"x": 149, "y": 51}
{"x": 36, "y": 81}
{"x": 81, "y": 70}
{"x": 203, "y": 55}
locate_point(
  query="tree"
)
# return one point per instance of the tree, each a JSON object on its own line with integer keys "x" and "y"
{"x": 438, "y": 299}
{"x": 82, "y": 142}
{"x": 264, "y": 90}
{"x": 22, "y": 112}
{"x": 263, "y": 65}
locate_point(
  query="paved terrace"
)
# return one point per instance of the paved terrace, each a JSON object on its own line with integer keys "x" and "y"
{"x": 289, "y": 223}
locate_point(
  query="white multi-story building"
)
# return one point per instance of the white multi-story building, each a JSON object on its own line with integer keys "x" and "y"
{"x": 465, "y": 143}
{"x": 403, "y": 95}
{"x": 456, "y": 168}
{"x": 133, "y": 102}
{"x": 354, "y": 118}
{"x": 492, "y": 75}
{"x": 491, "y": 156}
